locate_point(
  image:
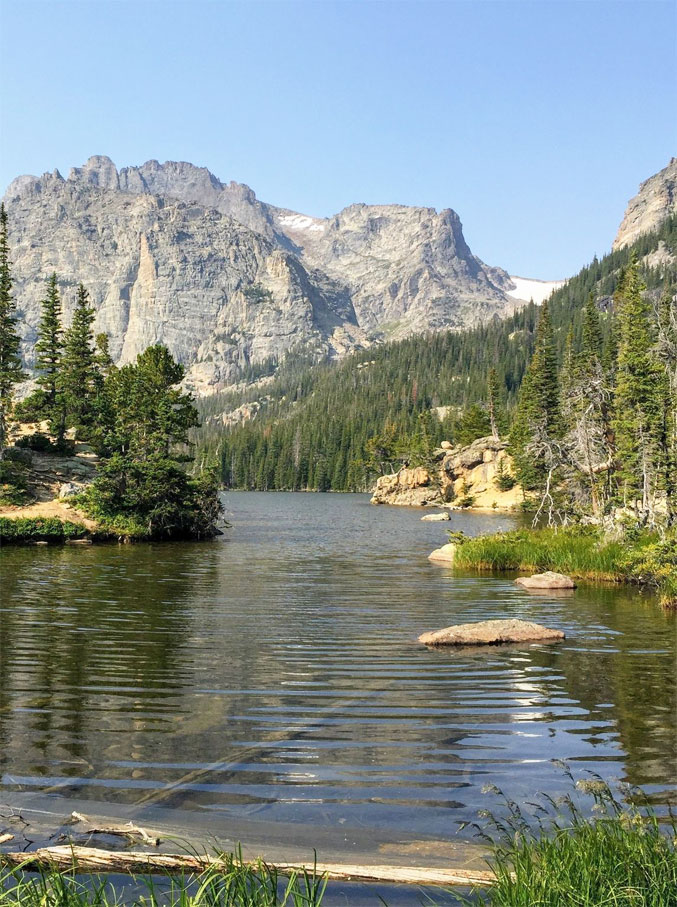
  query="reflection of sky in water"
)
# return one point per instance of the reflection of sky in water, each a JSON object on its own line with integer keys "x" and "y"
{"x": 273, "y": 675}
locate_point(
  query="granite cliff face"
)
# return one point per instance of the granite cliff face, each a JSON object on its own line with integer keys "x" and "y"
{"x": 655, "y": 201}
{"x": 171, "y": 254}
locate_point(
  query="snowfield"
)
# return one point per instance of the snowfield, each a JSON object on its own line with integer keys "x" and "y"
{"x": 301, "y": 222}
{"x": 527, "y": 289}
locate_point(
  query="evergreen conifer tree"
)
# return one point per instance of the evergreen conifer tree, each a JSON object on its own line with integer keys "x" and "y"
{"x": 10, "y": 361}
{"x": 538, "y": 420}
{"x": 493, "y": 395}
{"x": 79, "y": 366}
{"x": 640, "y": 389}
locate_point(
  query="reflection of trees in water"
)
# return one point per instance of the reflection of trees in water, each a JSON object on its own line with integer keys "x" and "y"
{"x": 634, "y": 672}
{"x": 92, "y": 647}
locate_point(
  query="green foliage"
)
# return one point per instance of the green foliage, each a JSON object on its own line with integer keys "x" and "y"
{"x": 234, "y": 884}
{"x": 475, "y": 422}
{"x": 13, "y": 486}
{"x": 41, "y": 443}
{"x": 49, "y": 349}
{"x": 257, "y": 294}
{"x": 141, "y": 489}
{"x": 10, "y": 361}
{"x": 641, "y": 389}
{"x": 39, "y": 529}
{"x": 78, "y": 369}
{"x": 624, "y": 855}
{"x": 504, "y": 481}
{"x": 537, "y": 420}
{"x": 642, "y": 557}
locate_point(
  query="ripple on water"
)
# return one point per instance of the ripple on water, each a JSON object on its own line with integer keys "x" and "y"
{"x": 274, "y": 674}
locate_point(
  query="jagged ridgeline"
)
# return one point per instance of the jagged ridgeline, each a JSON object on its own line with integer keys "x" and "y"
{"x": 312, "y": 425}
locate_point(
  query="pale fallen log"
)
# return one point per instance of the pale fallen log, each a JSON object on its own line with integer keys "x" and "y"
{"x": 92, "y": 859}
{"x": 5, "y": 838}
{"x": 128, "y": 830}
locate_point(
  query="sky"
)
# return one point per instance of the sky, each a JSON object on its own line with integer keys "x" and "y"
{"x": 535, "y": 121}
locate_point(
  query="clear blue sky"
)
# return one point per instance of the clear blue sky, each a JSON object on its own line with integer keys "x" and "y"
{"x": 536, "y": 121}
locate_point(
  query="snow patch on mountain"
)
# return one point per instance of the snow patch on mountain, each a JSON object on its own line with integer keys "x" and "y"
{"x": 527, "y": 288}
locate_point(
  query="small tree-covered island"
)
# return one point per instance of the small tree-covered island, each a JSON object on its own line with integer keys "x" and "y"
{"x": 135, "y": 420}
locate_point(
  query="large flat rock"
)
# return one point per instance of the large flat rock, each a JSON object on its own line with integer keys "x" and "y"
{"x": 489, "y": 633}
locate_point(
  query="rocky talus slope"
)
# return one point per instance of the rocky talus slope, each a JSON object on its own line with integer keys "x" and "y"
{"x": 655, "y": 201}
{"x": 462, "y": 476}
{"x": 171, "y": 254}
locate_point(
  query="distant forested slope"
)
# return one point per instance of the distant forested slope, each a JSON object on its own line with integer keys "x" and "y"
{"x": 333, "y": 426}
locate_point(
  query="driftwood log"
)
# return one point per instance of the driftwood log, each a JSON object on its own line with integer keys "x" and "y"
{"x": 91, "y": 859}
{"x": 128, "y": 830}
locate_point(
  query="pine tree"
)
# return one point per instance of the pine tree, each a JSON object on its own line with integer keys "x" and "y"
{"x": 640, "y": 389}
{"x": 49, "y": 346}
{"x": 79, "y": 368}
{"x": 493, "y": 395}
{"x": 538, "y": 421}
{"x": 11, "y": 372}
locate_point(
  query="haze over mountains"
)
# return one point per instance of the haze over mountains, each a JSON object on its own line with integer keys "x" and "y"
{"x": 171, "y": 254}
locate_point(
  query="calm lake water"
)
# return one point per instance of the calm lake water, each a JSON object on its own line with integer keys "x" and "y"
{"x": 268, "y": 685}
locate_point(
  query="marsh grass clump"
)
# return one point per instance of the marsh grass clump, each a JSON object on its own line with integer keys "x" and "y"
{"x": 624, "y": 855}
{"x": 237, "y": 884}
{"x": 580, "y": 551}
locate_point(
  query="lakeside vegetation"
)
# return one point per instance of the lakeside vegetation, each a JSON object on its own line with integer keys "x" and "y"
{"x": 135, "y": 418}
{"x": 547, "y": 854}
{"x": 584, "y": 552}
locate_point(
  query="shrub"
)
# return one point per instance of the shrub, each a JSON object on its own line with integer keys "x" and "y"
{"x": 39, "y": 529}
{"x": 40, "y": 443}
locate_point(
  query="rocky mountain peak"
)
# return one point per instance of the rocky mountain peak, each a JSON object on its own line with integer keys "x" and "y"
{"x": 655, "y": 201}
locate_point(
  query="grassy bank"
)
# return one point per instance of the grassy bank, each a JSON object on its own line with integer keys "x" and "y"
{"x": 584, "y": 553}
{"x": 623, "y": 856}
{"x": 237, "y": 886}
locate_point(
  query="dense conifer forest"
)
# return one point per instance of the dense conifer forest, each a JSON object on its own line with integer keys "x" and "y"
{"x": 327, "y": 426}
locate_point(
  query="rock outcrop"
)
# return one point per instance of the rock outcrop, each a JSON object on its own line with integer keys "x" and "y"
{"x": 462, "y": 477}
{"x": 172, "y": 255}
{"x": 655, "y": 201}
{"x": 490, "y": 633}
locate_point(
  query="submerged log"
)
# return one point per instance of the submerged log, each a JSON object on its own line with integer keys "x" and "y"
{"x": 91, "y": 859}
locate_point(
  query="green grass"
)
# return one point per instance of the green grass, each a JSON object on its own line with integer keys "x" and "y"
{"x": 623, "y": 856}
{"x": 257, "y": 885}
{"x": 23, "y": 530}
{"x": 581, "y": 552}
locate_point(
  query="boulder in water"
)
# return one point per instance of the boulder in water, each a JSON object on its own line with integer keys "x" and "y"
{"x": 443, "y": 555}
{"x": 547, "y": 580}
{"x": 490, "y": 633}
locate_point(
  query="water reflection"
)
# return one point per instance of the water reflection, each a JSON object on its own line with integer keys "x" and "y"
{"x": 274, "y": 675}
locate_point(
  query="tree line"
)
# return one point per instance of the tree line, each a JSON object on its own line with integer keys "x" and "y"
{"x": 135, "y": 417}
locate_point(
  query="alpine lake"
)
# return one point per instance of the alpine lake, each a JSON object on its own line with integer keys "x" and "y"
{"x": 268, "y": 688}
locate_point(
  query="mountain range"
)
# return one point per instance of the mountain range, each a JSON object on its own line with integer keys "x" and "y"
{"x": 170, "y": 254}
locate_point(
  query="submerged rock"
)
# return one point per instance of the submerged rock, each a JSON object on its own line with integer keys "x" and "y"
{"x": 436, "y": 517}
{"x": 547, "y": 580}
{"x": 490, "y": 633}
{"x": 443, "y": 555}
